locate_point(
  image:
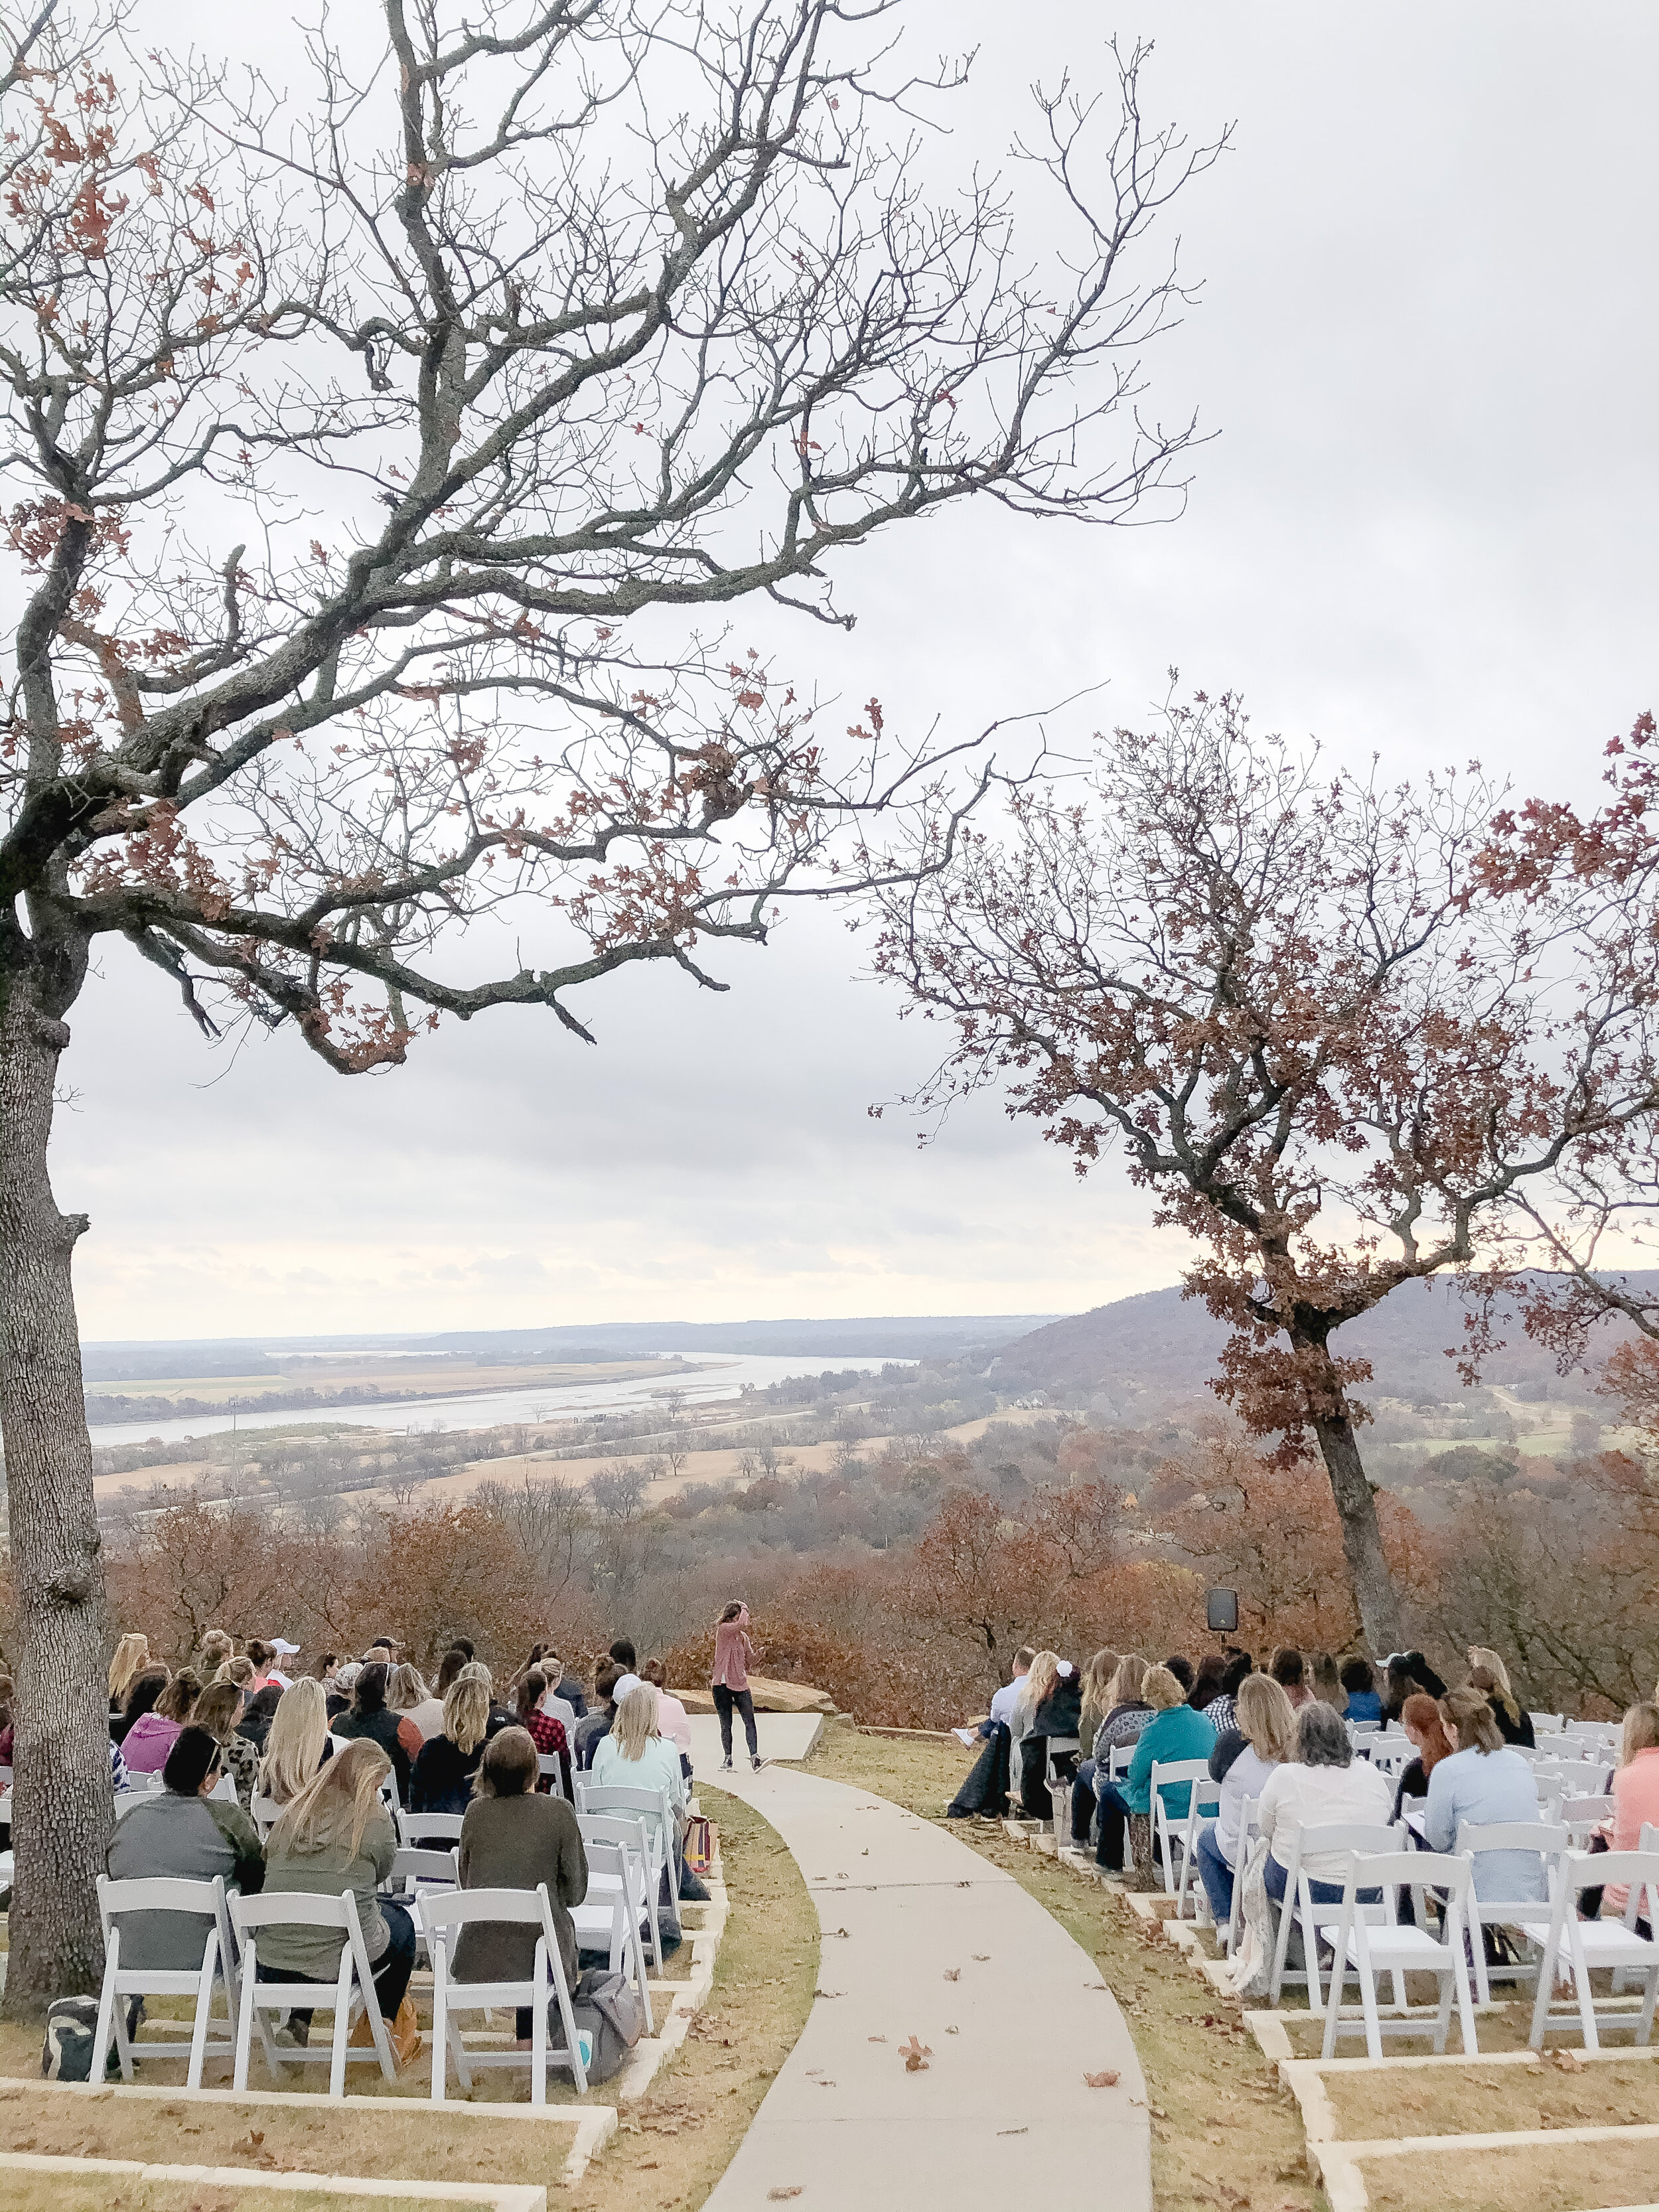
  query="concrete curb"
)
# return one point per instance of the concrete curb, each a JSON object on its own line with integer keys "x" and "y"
{"x": 1338, "y": 2164}
{"x": 503, "y": 2195}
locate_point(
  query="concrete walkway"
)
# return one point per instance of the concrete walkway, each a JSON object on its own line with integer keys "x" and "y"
{"x": 923, "y": 1937}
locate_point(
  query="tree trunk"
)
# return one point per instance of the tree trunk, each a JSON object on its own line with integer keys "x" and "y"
{"x": 61, "y": 1822}
{"x": 1362, "y": 1535}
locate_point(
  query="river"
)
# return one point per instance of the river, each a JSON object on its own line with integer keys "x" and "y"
{"x": 719, "y": 1375}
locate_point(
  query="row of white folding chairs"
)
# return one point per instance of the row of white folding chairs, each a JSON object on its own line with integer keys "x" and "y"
{"x": 142, "y": 1787}
{"x": 230, "y": 1959}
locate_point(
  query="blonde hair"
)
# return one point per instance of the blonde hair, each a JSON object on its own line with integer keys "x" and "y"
{"x": 1266, "y": 1718}
{"x": 352, "y": 1780}
{"x": 131, "y": 1660}
{"x": 293, "y": 1749}
{"x": 240, "y": 1671}
{"x": 1097, "y": 1678}
{"x": 1161, "y": 1690}
{"x": 466, "y": 1711}
{"x": 635, "y": 1723}
{"x": 1641, "y": 1731}
{"x": 1126, "y": 1683}
{"x": 1484, "y": 1661}
{"x": 1468, "y": 1715}
{"x": 1043, "y": 1674}
{"x": 405, "y": 1689}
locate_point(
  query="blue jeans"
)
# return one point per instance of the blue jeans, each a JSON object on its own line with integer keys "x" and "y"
{"x": 1322, "y": 1893}
{"x": 1217, "y": 1874}
{"x": 1083, "y": 1802}
{"x": 1114, "y": 1817}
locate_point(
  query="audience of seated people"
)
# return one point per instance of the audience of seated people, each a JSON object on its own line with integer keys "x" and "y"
{"x": 546, "y": 1733}
{"x": 371, "y": 1719}
{"x": 1425, "y": 1730}
{"x": 298, "y": 1743}
{"x": 632, "y": 1755}
{"x": 595, "y": 1723}
{"x": 183, "y": 1831}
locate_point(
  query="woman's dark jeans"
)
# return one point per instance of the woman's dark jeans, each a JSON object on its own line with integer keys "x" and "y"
{"x": 1083, "y": 1802}
{"x": 1113, "y": 1818}
{"x": 391, "y": 1976}
{"x": 725, "y": 1699}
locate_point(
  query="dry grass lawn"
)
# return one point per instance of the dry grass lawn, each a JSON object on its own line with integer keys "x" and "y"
{"x": 672, "y": 2146}
{"x": 1476, "y": 2100}
{"x": 1533, "y": 2178}
{"x": 1224, "y": 2134}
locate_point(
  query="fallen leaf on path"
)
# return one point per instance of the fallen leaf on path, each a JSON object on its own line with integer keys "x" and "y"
{"x": 953, "y": 2030}
{"x": 878, "y": 2039}
{"x": 1107, "y": 2080}
{"x": 953, "y": 1973}
{"x": 1014, "y": 2131}
{"x": 915, "y": 2055}
{"x": 837, "y": 1931}
{"x": 781, "y": 2196}
{"x": 981, "y": 1958}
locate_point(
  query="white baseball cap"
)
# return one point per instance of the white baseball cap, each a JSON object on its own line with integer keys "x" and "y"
{"x": 278, "y": 1643}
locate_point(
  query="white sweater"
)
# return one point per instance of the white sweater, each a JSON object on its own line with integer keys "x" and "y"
{"x": 1319, "y": 1798}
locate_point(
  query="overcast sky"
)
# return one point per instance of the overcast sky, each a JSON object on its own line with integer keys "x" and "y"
{"x": 1425, "y": 530}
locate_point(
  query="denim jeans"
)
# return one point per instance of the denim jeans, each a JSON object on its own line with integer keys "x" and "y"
{"x": 1322, "y": 1893}
{"x": 1216, "y": 1870}
{"x": 1113, "y": 1818}
{"x": 391, "y": 1976}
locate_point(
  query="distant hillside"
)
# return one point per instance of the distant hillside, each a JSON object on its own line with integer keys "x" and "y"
{"x": 1152, "y": 1353}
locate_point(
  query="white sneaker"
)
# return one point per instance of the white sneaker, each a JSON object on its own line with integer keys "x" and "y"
{"x": 758, "y": 1762}
{"x": 726, "y": 1766}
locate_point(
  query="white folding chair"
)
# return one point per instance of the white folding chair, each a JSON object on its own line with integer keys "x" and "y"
{"x": 1559, "y": 1747}
{"x": 1058, "y": 1787}
{"x": 1580, "y": 1946}
{"x": 1546, "y": 1725}
{"x": 631, "y": 1834}
{"x": 195, "y": 1901}
{"x": 610, "y": 1915}
{"x": 1167, "y": 1827}
{"x": 1298, "y": 1908}
{"x": 1392, "y": 1758}
{"x": 1247, "y": 1834}
{"x": 444, "y": 1915}
{"x": 264, "y": 1813}
{"x": 1203, "y": 1803}
{"x": 1584, "y": 1815}
{"x": 1531, "y": 1915}
{"x": 547, "y": 1766}
{"x": 415, "y": 1831}
{"x": 352, "y": 1989}
{"x": 1371, "y": 1938}
{"x": 653, "y": 1807}
{"x": 1596, "y": 1732}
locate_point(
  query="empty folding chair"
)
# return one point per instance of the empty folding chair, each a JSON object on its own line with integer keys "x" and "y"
{"x": 1546, "y": 1724}
{"x": 352, "y": 1990}
{"x": 1203, "y": 1803}
{"x": 1579, "y": 1948}
{"x": 264, "y": 1813}
{"x": 444, "y": 1916}
{"x": 609, "y": 1916}
{"x": 1299, "y": 1907}
{"x": 1058, "y": 1787}
{"x": 1584, "y": 1816}
{"x": 1542, "y": 1848}
{"x": 652, "y": 1806}
{"x": 1371, "y": 1939}
{"x": 1167, "y": 1827}
{"x": 629, "y": 1833}
{"x": 200, "y": 1907}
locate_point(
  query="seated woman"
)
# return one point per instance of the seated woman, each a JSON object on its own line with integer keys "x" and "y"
{"x": 544, "y": 1732}
{"x": 1359, "y": 1682}
{"x": 1483, "y": 1782}
{"x": 633, "y": 1756}
{"x": 336, "y": 1835}
{"x": 1243, "y": 1762}
{"x": 142, "y": 1694}
{"x": 181, "y": 1830}
{"x": 1174, "y": 1732}
{"x": 1040, "y": 1677}
{"x": 440, "y": 1780}
{"x": 1324, "y": 1786}
{"x": 131, "y": 1660}
{"x": 298, "y": 1742}
{"x": 1222, "y": 1710}
{"x": 514, "y": 1838}
{"x": 372, "y": 1719}
{"x": 1488, "y": 1674}
{"x": 1095, "y": 1703}
{"x": 1290, "y": 1670}
{"x": 218, "y": 1710}
{"x": 1635, "y": 1796}
{"x": 1126, "y": 1714}
{"x": 146, "y": 1744}
{"x": 1054, "y": 1719}
{"x": 673, "y": 1721}
{"x": 1420, "y": 1716}
{"x": 595, "y": 1723}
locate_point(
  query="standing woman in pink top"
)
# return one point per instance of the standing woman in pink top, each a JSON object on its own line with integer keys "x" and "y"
{"x": 730, "y": 1682}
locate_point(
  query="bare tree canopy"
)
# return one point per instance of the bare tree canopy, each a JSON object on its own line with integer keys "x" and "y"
{"x": 384, "y": 459}
{"x": 1315, "y": 1017}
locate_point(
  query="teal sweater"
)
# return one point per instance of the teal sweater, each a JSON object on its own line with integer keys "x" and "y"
{"x": 1177, "y": 1732}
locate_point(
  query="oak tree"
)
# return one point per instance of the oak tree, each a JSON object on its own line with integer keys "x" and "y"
{"x": 383, "y": 457}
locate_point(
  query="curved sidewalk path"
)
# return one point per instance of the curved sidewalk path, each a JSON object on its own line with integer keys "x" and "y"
{"x": 1001, "y": 2114}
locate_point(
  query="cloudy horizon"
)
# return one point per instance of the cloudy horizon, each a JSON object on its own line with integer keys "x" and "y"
{"x": 1422, "y": 530}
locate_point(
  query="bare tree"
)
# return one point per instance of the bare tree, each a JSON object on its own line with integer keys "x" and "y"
{"x": 362, "y": 445}
{"x": 1318, "y": 1023}
{"x": 547, "y": 1517}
